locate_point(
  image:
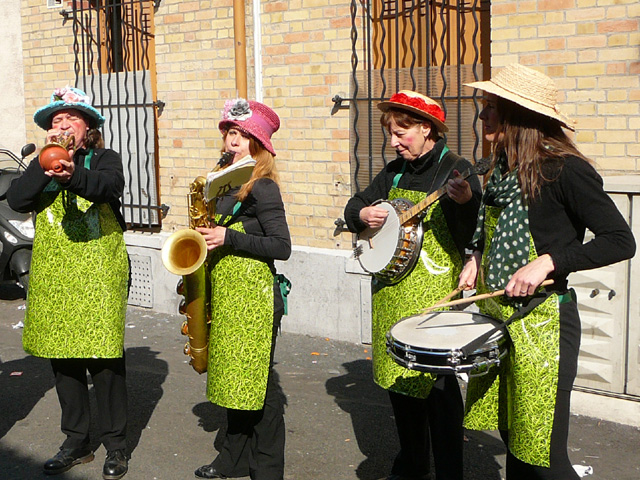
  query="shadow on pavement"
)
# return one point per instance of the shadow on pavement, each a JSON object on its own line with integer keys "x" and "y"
{"x": 145, "y": 375}
{"x": 375, "y": 430}
{"x": 23, "y": 383}
{"x": 371, "y": 417}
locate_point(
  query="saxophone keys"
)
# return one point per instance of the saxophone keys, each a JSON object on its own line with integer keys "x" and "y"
{"x": 184, "y": 329}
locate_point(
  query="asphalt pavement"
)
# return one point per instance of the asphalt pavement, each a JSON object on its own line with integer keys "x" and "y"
{"x": 339, "y": 424}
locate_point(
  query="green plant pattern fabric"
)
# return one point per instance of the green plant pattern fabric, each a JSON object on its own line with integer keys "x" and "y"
{"x": 418, "y": 290}
{"x": 241, "y": 328}
{"x": 519, "y": 396}
{"x": 78, "y": 288}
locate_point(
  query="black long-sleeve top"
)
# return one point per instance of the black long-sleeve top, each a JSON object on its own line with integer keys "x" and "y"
{"x": 264, "y": 220}
{"x": 419, "y": 176}
{"x": 573, "y": 202}
{"x": 103, "y": 182}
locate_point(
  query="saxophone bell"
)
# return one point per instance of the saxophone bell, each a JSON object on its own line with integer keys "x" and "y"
{"x": 184, "y": 252}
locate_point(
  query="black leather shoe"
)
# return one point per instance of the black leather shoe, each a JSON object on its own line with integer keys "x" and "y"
{"x": 209, "y": 471}
{"x": 67, "y": 458}
{"x": 115, "y": 465}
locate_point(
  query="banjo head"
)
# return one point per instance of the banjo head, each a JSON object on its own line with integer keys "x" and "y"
{"x": 391, "y": 251}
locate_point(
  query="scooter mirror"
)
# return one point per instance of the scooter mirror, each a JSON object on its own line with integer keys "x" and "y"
{"x": 27, "y": 150}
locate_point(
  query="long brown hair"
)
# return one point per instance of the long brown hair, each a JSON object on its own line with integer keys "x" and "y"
{"x": 265, "y": 166}
{"x": 533, "y": 143}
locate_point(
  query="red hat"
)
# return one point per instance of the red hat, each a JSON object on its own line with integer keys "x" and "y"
{"x": 251, "y": 117}
{"x": 419, "y": 104}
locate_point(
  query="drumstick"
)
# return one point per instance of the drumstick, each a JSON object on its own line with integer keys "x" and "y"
{"x": 448, "y": 297}
{"x": 475, "y": 298}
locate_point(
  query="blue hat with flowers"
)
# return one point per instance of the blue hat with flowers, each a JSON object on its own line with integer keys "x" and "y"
{"x": 68, "y": 97}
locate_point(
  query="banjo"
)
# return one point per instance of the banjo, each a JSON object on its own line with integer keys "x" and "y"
{"x": 391, "y": 251}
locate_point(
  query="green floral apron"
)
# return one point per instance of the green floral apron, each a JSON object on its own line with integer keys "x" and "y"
{"x": 79, "y": 277}
{"x": 434, "y": 276}
{"x": 241, "y": 328}
{"x": 519, "y": 396}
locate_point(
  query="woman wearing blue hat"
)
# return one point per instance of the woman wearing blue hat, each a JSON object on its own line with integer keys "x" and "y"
{"x": 79, "y": 278}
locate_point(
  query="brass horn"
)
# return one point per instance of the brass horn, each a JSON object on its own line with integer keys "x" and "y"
{"x": 185, "y": 253}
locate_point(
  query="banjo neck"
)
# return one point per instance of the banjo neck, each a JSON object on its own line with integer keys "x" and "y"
{"x": 479, "y": 168}
{"x": 421, "y": 206}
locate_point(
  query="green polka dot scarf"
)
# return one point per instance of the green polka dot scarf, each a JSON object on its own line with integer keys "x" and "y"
{"x": 509, "y": 247}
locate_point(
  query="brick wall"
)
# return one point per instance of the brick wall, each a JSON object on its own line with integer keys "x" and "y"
{"x": 304, "y": 65}
{"x": 591, "y": 48}
{"x": 47, "y": 50}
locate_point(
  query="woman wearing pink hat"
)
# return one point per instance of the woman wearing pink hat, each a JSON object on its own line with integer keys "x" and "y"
{"x": 540, "y": 197}
{"x": 427, "y": 407}
{"x": 247, "y": 301}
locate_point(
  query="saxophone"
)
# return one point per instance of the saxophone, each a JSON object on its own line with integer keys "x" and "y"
{"x": 184, "y": 253}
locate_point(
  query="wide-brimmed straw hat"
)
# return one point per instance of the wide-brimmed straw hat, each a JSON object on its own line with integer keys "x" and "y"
{"x": 419, "y": 104}
{"x": 68, "y": 97}
{"x": 251, "y": 117}
{"x": 528, "y": 88}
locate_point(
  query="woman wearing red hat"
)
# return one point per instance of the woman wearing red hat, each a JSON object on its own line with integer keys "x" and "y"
{"x": 247, "y": 301}
{"x": 427, "y": 408}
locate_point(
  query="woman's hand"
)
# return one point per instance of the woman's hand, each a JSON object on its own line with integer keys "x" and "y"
{"x": 64, "y": 175}
{"x": 527, "y": 279}
{"x": 459, "y": 189}
{"x": 373, "y": 216}
{"x": 469, "y": 274}
{"x": 213, "y": 236}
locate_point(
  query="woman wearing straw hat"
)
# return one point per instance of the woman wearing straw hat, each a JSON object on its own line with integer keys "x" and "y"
{"x": 428, "y": 409}
{"x": 78, "y": 290}
{"x": 541, "y": 195}
{"x": 247, "y": 302}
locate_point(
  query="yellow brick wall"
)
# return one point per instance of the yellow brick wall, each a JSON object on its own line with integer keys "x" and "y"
{"x": 591, "y": 48}
{"x": 47, "y": 46}
{"x": 196, "y": 74}
{"x": 306, "y": 60}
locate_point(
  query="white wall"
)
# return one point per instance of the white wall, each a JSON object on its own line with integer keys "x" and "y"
{"x": 12, "y": 109}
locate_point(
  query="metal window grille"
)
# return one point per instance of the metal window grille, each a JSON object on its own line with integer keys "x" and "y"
{"x": 114, "y": 64}
{"x": 432, "y": 47}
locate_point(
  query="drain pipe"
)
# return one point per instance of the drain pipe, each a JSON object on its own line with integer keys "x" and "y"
{"x": 240, "y": 48}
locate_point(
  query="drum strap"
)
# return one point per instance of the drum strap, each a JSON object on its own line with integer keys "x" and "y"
{"x": 522, "y": 311}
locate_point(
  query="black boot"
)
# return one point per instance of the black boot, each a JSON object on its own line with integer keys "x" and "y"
{"x": 67, "y": 458}
{"x": 209, "y": 471}
{"x": 115, "y": 465}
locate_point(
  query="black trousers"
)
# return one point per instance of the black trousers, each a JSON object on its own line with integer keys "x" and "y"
{"x": 108, "y": 376}
{"x": 254, "y": 443}
{"x": 434, "y": 422}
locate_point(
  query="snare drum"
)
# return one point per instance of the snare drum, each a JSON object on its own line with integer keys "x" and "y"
{"x": 432, "y": 342}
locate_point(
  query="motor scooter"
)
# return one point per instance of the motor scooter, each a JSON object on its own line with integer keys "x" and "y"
{"x": 16, "y": 229}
